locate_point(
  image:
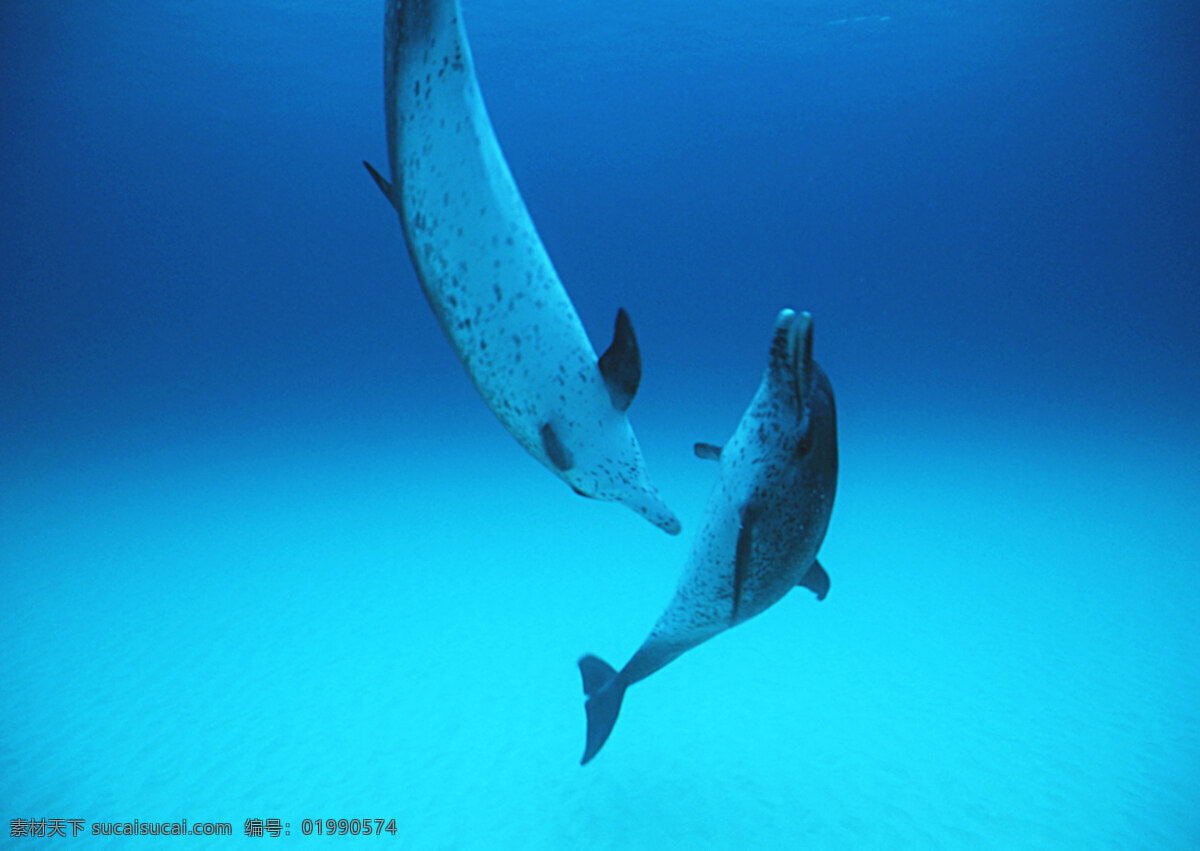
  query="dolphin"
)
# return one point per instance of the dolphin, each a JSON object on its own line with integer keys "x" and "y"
{"x": 765, "y": 521}
{"x": 487, "y": 276}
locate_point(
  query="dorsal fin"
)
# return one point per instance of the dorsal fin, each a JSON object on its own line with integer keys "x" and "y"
{"x": 707, "y": 451}
{"x": 381, "y": 182}
{"x": 621, "y": 365}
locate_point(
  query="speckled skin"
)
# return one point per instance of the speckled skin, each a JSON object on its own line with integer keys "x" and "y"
{"x": 779, "y": 472}
{"x": 765, "y": 521}
{"x": 484, "y": 269}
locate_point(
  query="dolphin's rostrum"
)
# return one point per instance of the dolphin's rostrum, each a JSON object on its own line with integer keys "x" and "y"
{"x": 487, "y": 276}
{"x": 765, "y": 521}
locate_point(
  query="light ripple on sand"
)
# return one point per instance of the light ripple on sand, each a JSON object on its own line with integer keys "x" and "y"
{"x": 292, "y": 636}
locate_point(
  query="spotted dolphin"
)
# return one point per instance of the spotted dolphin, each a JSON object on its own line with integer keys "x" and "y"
{"x": 765, "y": 521}
{"x": 487, "y": 276}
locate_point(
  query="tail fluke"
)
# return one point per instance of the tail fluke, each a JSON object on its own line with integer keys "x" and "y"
{"x": 604, "y": 695}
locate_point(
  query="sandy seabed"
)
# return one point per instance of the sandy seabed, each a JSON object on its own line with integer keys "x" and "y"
{"x": 349, "y": 627}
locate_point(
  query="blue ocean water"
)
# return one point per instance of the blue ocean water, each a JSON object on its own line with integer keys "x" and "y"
{"x": 265, "y": 554}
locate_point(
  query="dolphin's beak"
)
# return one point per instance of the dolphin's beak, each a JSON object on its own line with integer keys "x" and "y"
{"x": 800, "y": 352}
{"x": 791, "y": 354}
{"x": 646, "y": 502}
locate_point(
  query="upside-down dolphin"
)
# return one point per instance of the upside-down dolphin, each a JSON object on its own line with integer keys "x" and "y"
{"x": 765, "y": 521}
{"x": 488, "y": 277}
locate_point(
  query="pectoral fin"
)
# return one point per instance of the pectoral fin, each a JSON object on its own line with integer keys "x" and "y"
{"x": 381, "y": 182}
{"x": 743, "y": 556}
{"x": 816, "y": 580}
{"x": 558, "y": 454}
{"x": 708, "y": 451}
{"x": 621, "y": 365}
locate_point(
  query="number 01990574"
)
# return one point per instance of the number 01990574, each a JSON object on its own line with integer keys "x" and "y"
{"x": 348, "y": 827}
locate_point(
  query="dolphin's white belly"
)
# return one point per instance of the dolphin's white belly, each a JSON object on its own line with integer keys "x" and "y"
{"x": 703, "y": 602}
{"x": 756, "y": 478}
{"x": 487, "y": 276}
{"x": 481, "y": 262}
